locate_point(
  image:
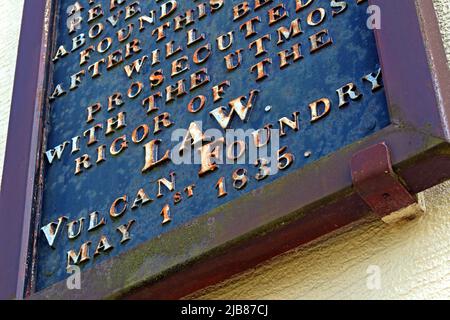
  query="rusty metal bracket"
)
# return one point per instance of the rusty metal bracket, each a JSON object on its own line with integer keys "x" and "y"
{"x": 379, "y": 186}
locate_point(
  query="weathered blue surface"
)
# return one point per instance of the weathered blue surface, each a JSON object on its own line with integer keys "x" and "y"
{"x": 352, "y": 55}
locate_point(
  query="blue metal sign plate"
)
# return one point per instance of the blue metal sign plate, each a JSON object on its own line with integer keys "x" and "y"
{"x": 307, "y": 70}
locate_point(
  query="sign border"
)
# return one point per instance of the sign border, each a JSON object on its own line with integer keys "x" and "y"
{"x": 275, "y": 221}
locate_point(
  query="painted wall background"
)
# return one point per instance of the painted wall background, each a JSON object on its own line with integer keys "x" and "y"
{"x": 10, "y": 18}
{"x": 413, "y": 258}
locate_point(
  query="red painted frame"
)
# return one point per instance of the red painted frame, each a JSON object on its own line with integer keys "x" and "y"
{"x": 412, "y": 58}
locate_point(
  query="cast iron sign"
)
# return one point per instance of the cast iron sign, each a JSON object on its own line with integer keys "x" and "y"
{"x": 176, "y": 143}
